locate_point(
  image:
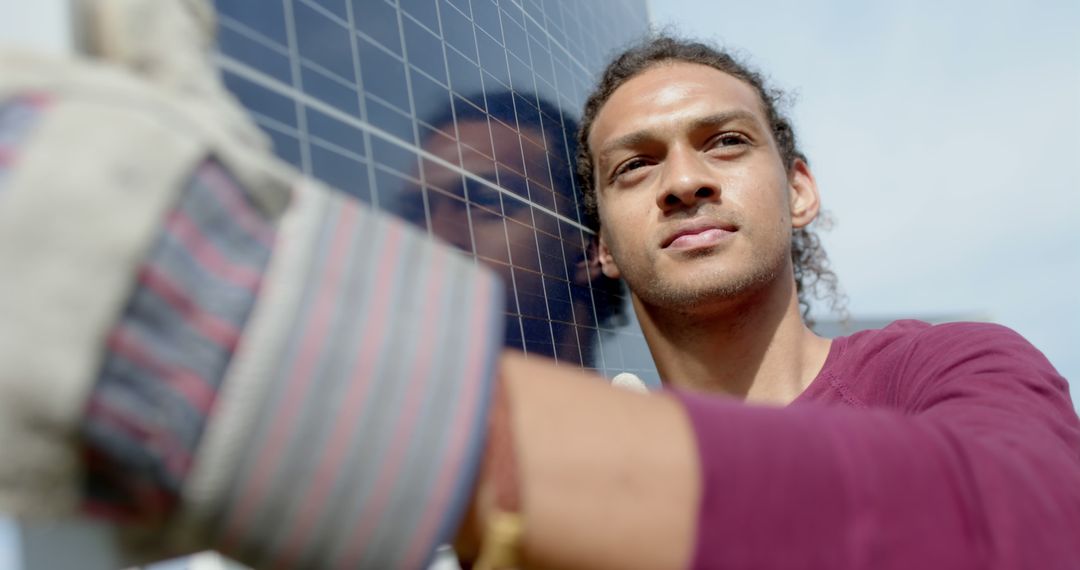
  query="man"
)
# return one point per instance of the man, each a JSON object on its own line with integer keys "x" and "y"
{"x": 912, "y": 446}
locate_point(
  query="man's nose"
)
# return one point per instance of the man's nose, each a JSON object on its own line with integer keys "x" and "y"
{"x": 686, "y": 180}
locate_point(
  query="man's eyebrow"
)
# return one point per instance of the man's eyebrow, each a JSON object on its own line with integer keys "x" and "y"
{"x": 637, "y": 138}
{"x": 719, "y": 119}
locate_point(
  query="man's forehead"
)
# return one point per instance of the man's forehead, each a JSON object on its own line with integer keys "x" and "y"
{"x": 670, "y": 92}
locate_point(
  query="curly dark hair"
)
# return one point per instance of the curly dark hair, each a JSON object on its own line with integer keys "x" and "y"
{"x": 813, "y": 275}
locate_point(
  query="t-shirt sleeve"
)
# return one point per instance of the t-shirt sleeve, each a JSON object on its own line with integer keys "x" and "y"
{"x": 977, "y": 467}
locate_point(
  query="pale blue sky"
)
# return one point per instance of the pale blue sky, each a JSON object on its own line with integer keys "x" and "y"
{"x": 945, "y": 138}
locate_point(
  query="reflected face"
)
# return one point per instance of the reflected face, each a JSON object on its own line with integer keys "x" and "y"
{"x": 497, "y": 241}
{"x": 694, "y": 200}
{"x": 449, "y": 216}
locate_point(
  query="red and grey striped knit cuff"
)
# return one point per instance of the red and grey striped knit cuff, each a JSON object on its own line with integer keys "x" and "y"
{"x": 167, "y": 355}
{"x": 314, "y": 400}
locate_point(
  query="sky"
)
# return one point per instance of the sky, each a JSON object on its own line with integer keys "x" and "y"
{"x": 945, "y": 140}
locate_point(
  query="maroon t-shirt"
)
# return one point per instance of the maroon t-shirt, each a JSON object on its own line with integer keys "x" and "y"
{"x": 917, "y": 446}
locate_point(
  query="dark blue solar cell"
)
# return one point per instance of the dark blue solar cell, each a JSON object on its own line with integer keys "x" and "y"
{"x": 517, "y": 41}
{"x": 429, "y": 98}
{"x": 521, "y": 76}
{"x": 340, "y": 172}
{"x": 501, "y": 107}
{"x": 534, "y": 9}
{"x": 262, "y": 100}
{"x": 323, "y": 41}
{"x": 379, "y": 21}
{"x": 462, "y": 5}
{"x": 485, "y": 14}
{"x": 512, "y": 11}
{"x": 335, "y": 131}
{"x": 330, "y": 91}
{"x": 405, "y": 202}
{"x": 565, "y": 205}
{"x": 527, "y": 114}
{"x": 457, "y": 30}
{"x": 563, "y": 75}
{"x": 537, "y": 333}
{"x": 266, "y": 18}
{"x": 536, "y": 158}
{"x": 514, "y": 183}
{"x": 557, "y": 291}
{"x": 336, "y": 7}
{"x": 390, "y": 120}
{"x": 492, "y": 57}
{"x": 513, "y": 329}
{"x": 394, "y": 156}
{"x": 423, "y": 10}
{"x": 383, "y": 75}
{"x": 464, "y": 75}
{"x": 522, "y": 238}
{"x": 541, "y": 60}
{"x": 255, "y": 54}
{"x": 541, "y": 195}
{"x": 399, "y": 195}
{"x": 573, "y": 242}
{"x": 425, "y": 51}
{"x": 286, "y": 146}
{"x": 552, "y": 263}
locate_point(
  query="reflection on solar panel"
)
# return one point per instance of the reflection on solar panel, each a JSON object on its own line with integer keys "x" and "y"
{"x": 458, "y": 115}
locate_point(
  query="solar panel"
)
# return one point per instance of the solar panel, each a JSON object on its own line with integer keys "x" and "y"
{"x": 459, "y": 116}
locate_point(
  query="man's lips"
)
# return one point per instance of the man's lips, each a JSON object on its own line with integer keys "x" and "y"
{"x": 697, "y": 235}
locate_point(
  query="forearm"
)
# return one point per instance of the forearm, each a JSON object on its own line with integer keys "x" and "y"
{"x": 607, "y": 478}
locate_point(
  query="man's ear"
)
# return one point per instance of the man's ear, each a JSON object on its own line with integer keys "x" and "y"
{"x": 805, "y": 200}
{"x": 587, "y": 269}
{"x": 607, "y": 261}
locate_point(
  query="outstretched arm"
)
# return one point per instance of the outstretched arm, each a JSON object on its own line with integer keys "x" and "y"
{"x": 981, "y": 469}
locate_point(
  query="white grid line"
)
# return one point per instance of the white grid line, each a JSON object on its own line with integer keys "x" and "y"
{"x": 298, "y": 85}
{"x": 468, "y": 211}
{"x": 532, "y": 213}
{"x": 273, "y": 84}
{"x": 552, "y": 41}
{"x": 457, "y": 136}
{"x": 355, "y": 50}
{"x": 251, "y": 34}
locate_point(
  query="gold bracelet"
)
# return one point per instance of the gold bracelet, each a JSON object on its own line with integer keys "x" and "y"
{"x": 504, "y": 527}
{"x": 501, "y": 547}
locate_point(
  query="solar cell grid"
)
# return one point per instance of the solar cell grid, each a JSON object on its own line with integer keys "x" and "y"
{"x": 458, "y": 115}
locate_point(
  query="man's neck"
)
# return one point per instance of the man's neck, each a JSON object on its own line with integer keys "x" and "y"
{"x": 758, "y": 349}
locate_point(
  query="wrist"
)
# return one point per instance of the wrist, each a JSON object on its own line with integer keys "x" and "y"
{"x": 491, "y": 534}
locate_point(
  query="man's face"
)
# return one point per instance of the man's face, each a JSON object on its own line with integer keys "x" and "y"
{"x": 694, "y": 200}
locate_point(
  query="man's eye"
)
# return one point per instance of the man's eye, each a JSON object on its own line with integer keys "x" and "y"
{"x": 730, "y": 139}
{"x": 629, "y": 165}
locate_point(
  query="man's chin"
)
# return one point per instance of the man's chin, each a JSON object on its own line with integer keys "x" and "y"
{"x": 698, "y": 291}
